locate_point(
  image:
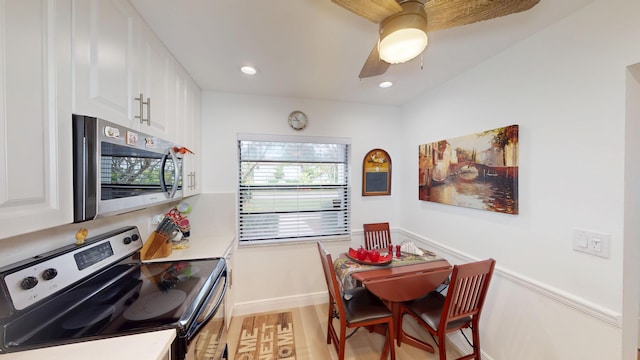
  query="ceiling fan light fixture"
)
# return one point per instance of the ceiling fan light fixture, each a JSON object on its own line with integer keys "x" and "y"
{"x": 403, "y": 36}
{"x": 403, "y": 45}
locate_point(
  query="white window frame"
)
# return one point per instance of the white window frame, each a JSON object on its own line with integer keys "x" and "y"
{"x": 333, "y": 219}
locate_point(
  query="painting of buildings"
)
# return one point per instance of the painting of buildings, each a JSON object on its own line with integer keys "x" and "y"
{"x": 478, "y": 171}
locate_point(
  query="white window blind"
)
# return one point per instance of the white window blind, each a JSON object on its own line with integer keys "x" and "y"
{"x": 293, "y": 189}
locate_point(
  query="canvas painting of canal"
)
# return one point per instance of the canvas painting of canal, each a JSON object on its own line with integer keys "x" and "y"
{"x": 478, "y": 171}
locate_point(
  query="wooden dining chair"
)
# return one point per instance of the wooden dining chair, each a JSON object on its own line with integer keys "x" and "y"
{"x": 362, "y": 309}
{"x": 377, "y": 236}
{"x": 459, "y": 309}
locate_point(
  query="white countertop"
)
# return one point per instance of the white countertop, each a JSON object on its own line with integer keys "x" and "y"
{"x": 147, "y": 346}
{"x": 201, "y": 247}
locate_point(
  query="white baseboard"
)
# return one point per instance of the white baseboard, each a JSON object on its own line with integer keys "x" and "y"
{"x": 275, "y": 304}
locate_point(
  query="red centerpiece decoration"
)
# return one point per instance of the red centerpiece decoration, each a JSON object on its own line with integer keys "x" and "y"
{"x": 369, "y": 257}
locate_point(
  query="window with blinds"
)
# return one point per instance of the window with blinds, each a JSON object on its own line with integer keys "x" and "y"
{"x": 293, "y": 188}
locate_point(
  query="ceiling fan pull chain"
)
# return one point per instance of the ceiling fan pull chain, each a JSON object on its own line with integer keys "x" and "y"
{"x": 422, "y": 61}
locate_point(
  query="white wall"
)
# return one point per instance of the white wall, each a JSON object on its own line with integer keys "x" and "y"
{"x": 259, "y": 279}
{"x": 565, "y": 87}
{"x": 225, "y": 115}
{"x": 21, "y": 247}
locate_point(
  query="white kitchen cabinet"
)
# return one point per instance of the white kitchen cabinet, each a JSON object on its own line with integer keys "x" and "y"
{"x": 105, "y": 54}
{"x": 122, "y": 71}
{"x": 188, "y": 105}
{"x": 156, "y": 67}
{"x": 35, "y": 116}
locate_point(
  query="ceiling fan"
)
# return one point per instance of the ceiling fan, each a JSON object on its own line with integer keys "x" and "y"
{"x": 404, "y": 24}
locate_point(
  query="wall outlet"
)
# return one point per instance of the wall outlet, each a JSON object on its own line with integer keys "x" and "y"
{"x": 153, "y": 222}
{"x": 591, "y": 242}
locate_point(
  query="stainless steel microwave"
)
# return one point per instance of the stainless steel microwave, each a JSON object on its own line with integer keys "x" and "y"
{"x": 118, "y": 170}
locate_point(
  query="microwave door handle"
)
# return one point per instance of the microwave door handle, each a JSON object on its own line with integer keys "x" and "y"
{"x": 176, "y": 170}
{"x": 163, "y": 184}
{"x": 176, "y": 173}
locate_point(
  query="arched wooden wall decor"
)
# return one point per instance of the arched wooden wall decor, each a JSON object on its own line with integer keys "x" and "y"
{"x": 376, "y": 173}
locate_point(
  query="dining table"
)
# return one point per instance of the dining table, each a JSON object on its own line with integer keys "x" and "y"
{"x": 406, "y": 277}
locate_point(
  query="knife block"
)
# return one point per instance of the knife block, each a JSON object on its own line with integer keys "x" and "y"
{"x": 156, "y": 246}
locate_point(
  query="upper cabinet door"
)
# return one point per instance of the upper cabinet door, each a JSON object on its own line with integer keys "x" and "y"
{"x": 105, "y": 47}
{"x": 193, "y": 132}
{"x": 157, "y": 82}
{"x": 123, "y": 72}
{"x": 188, "y": 118}
{"x": 35, "y": 116}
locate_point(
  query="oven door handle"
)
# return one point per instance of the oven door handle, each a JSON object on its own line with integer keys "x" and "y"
{"x": 198, "y": 324}
{"x": 176, "y": 173}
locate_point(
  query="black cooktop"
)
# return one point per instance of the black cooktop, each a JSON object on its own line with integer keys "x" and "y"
{"x": 126, "y": 298}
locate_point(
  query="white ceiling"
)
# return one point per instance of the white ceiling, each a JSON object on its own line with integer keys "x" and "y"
{"x": 315, "y": 49}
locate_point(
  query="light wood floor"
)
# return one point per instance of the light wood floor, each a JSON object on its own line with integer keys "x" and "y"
{"x": 310, "y": 332}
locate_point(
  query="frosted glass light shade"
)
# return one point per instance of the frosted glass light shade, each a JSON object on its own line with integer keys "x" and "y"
{"x": 403, "y": 36}
{"x": 403, "y": 45}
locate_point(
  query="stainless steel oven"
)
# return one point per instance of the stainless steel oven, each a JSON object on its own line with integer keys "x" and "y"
{"x": 117, "y": 170}
{"x": 101, "y": 289}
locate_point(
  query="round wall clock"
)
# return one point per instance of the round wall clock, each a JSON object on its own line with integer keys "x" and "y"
{"x": 298, "y": 120}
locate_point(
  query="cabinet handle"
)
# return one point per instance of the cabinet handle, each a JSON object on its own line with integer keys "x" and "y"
{"x": 148, "y": 112}
{"x": 141, "y": 111}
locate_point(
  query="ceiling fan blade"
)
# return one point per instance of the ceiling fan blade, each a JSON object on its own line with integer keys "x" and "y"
{"x": 451, "y": 13}
{"x": 372, "y": 10}
{"x": 374, "y": 65}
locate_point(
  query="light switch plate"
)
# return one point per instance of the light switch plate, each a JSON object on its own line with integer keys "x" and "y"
{"x": 591, "y": 242}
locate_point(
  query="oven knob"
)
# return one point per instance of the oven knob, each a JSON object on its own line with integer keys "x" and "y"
{"x": 49, "y": 274}
{"x": 28, "y": 283}
{"x": 127, "y": 240}
{"x": 135, "y": 237}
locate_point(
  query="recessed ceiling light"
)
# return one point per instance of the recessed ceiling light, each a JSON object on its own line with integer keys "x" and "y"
{"x": 249, "y": 70}
{"x": 386, "y": 84}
